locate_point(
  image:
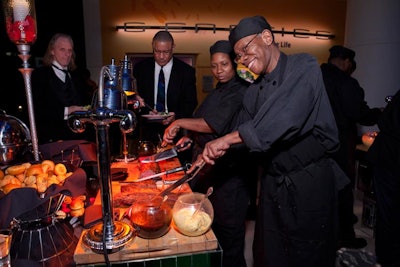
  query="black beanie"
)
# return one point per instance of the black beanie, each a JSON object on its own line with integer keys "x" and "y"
{"x": 338, "y": 51}
{"x": 248, "y": 26}
{"x": 222, "y": 46}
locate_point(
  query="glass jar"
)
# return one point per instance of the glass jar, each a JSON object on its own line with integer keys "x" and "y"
{"x": 146, "y": 148}
{"x": 184, "y": 219}
{"x": 152, "y": 219}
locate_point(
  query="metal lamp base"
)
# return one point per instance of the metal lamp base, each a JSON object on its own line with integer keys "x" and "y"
{"x": 123, "y": 233}
{"x": 125, "y": 158}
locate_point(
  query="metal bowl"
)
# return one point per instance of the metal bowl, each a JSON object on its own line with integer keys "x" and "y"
{"x": 15, "y": 137}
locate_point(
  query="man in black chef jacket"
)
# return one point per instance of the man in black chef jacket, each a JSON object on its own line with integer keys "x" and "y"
{"x": 233, "y": 176}
{"x": 287, "y": 120}
{"x": 384, "y": 154}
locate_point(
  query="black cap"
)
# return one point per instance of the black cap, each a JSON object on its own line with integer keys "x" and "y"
{"x": 248, "y": 26}
{"x": 338, "y": 51}
{"x": 222, "y": 46}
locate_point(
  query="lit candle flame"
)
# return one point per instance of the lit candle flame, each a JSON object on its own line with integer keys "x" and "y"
{"x": 20, "y": 9}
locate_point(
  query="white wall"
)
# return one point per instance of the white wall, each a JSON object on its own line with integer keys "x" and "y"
{"x": 373, "y": 32}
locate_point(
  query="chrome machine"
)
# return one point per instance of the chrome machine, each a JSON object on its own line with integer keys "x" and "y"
{"x": 109, "y": 236}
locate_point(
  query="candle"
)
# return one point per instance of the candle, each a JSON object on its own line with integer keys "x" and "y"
{"x": 20, "y": 9}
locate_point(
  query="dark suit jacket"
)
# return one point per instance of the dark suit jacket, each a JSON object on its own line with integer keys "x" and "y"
{"x": 50, "y": 96}
{"x": 182, "y": 94}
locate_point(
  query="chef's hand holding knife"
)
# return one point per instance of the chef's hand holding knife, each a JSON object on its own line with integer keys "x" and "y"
{"x": 215, "y": 149}
{"x": 170, "y": 134}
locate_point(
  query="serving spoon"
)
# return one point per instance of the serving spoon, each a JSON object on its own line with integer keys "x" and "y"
{"x": 210, "y": 190}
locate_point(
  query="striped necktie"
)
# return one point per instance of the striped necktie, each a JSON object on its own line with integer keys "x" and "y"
{"x": 161, "y": 92}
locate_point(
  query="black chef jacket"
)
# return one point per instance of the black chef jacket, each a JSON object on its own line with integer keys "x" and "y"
{"x": 287, "y": 119}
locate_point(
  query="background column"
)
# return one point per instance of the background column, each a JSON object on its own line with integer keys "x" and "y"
{"x": 373, "y": 32}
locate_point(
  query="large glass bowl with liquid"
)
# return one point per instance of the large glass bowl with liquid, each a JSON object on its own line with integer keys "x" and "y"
{"x": 192, "y": 214}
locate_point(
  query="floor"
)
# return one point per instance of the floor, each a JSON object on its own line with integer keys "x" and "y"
{"x": 360, "y": 228}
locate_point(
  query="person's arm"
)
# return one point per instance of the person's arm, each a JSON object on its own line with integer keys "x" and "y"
{"x": 218, "y": 147}
{"x": 299, "y": 107}
{"x": 355, "y": 106}
{"x": 191, "y": 124}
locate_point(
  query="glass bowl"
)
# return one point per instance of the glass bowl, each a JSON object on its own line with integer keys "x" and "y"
{"x": 146, "y": 148}
{"x": 184, "y": 219}
{"x": 152, "y": 219}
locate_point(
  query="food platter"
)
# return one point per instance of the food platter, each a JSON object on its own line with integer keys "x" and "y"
{"x": 156, "y": 117}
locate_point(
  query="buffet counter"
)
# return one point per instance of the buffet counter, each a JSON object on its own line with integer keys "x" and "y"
{"x": 173, "y": 249}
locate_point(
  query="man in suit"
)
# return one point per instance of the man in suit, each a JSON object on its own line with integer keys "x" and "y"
{"x": 58, "y": 90}
{"x": 179, "y": 87}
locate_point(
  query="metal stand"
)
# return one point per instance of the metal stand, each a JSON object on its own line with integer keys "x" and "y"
{"x": 125, "y": 157}
{"x": 26, "y": 73}
{"x": 113, "y": 234}
{"x": 110, "y": 236}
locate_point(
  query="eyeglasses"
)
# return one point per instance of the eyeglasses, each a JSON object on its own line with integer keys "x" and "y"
{"x": 244, "y": 49}
{"x": 159, "y": 52}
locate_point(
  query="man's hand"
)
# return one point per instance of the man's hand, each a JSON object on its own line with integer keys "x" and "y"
{"x": 76, "y": 108}
{"x": 169, "y": 119}
{"x": 171, "y": 132}
{"x": 186, "y": 143}
{"x": 215, "y": 149}
{"x": 198, "y": 163}
{"x": 141, "y": 100}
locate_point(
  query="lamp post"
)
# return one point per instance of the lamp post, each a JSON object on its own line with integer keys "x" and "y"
{"x": 20, "y": 19}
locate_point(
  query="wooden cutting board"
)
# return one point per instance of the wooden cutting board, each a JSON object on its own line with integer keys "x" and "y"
{"x": 172, "y": 243}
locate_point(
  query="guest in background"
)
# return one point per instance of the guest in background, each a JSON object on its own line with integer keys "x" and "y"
{"x": 384, "y": 154}
{"x": 229, "y": 178}
{"x": 349, "y": 107}
{"x": 58, "y": 90}
{"x": 177, "y": 94}
{"x": 287, "y": 122}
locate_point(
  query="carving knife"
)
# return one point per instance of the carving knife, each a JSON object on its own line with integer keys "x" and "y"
{"x": 181, "y": 168}
{"x": 166, "y": 154}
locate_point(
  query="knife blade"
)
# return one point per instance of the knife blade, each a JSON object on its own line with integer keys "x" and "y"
{"x": 166, "y": 154}
{"x": 184, "y": 179}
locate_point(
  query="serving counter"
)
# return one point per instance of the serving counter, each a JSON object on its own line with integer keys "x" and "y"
{"x": 173, "y": 249}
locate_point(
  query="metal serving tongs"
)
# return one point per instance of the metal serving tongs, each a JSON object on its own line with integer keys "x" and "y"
{"x": 163, "y": 195}
{"x": 186, "y": 178}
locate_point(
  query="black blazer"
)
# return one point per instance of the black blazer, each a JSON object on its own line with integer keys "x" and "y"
{"x": 182, "y": 94}
{"x": 50, "y": 96}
